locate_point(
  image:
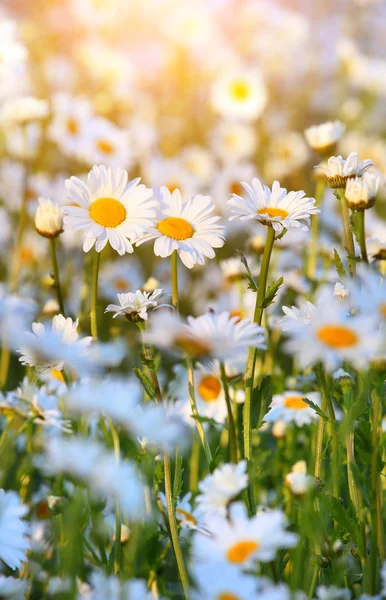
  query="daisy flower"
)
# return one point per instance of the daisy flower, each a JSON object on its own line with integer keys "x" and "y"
{"x": 23, "y": 110}
{"x": 188, "y": 517}
{"x": 109, "y": 209}
{"x": 290, "y": 407}
{"x": 298, "y": 481}
{"x": 109, "y": 586}
{"x": 295, "y": 316}
{"x": 324, "y": 137}
{"x": 232, "y": 585}
{"x": 120, "y": 276}
{"x": 69, "y": 123}
{"x": 339, "y": 170}
{"x": 333, "y": 336}
{"x": 233, "y": 141}
{"x": 134, "y": 306}
{"x": 13, "y": 544}
{"x": 239, "y": 94}
{"x": 361, "y": 192}
{"x": 221, "y": 486}
{"x": 276, "y": 208}
{"x": 12, "y": 588}
{"x": 239, "y": 540}
{"x": 368, "y": 293}
{"x": 105, "y": 143}
{"x": 187, "y": 227}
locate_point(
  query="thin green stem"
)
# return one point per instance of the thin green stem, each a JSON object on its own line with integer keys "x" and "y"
{"x": 334, "y": 435}
{"x": 231, "y": 421}
{"x": 118, "y": 519}
{"x": 362, "y": 234}
{"x": 173, "y": 526}
{"x": 175, "y": 302}
{"x": 94, "y": 296}
{"x": 55, "y": 270}
{"x": 192, "y": 396}
{"x": 5, "y": 358}
{"x": 313, "y": 254}
{"x": 194, "y": 464}
{"x": 348, "y": 236}
{"x": 250, "y": 372}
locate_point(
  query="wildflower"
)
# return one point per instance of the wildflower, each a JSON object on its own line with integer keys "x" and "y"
{"x": 290, "y": 407}
{"x": 23, "y": 110}
{"x": 360, "y": 192}
{"x": 295, "y": 317}
{"x": 187, "y": 517}
{"x": 12, "y": 588}
{"x": 323, "y": 138}
{"x": 298, "y": 481}
{"x": 219, "y": 488}
{"x": 78, "y": 457}
{"x": 239, "y": 94}
{"x": 109, "y": 586}
{"x": 48, "y": 219}
{"x": 120, "y": 276}
{"x": 332, "y": 593}
{"x": 239, "y": 540}
{"x": 276, "y": 208}
{"x": 13, "y": 544}
{"x": 109, "y": 209}
{"x": 339, "y": 170}
{"x": 105, "y": 143}
{"x": 233, "y": 141}
{"x": 135, "y": 306}
{"x": 231, "y": 585}
{"x": 368, "y": 293}
{"x": 186, "y": 227}
{"x": 68, "y": 127}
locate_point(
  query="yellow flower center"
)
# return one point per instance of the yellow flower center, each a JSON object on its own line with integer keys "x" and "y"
{"x": 209, "y": 388}
{"x": 188, "y": 516}
{"x": 30, "y": 194}
{"x": 235, "y": 187}
{"x": 120, "y": 284}
{"x": 382, "y": 309}
{"x": 228, "y": 596}
{"x": 241, "y": 551}
{"x": 104, "y": 146}
{"x": 58, "y": 375}
{"x": 172, "y": 185}
{"x": 72, "y": 126}
{"x": 273, "y": 212}
{"x": 236, "y": 313}
{"x": 295, "y": 402}
{"x": 240, "y": 90}
{"x": 107, "y": 212}
{"x": 27, "y": 256}
{"x": 191, "y": 346}
{"x": 337, "y": 336}
{"x": 176, "y": 228}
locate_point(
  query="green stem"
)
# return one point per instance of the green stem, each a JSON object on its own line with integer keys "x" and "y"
{"x": 376, "y": 515}
{"x": 250, "y": 372}
{"x": 118, "y": 525}
{"x": 94, "y": 296}
{"x": 334, "y": 436}
{"x": 5, "y": 359}
{"x": 362, "y": 235}
{"x": 231, "y": 421}
{"x": 319, "y": 441}
{"x": 173, "y": 527}
{"x": 194, "y": 464}
{"x": 200, "y": 428}
{"x": 175, "y": 302}
{"x": 313, "y": 255}
{"x": 348, "y": 236}
{"x": 55, "y": 270}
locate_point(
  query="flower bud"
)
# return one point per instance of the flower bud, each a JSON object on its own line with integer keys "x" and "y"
{"x": 48, "y": 219}
{"x": 360, "y": 192}
{"x": 343, "y": 379}
{"x": 323, "y": 138}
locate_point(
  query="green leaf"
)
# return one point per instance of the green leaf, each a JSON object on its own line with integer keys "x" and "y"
{"x": 339, "y": 265}
{"x": 251, "y": 280}
{"x": 271, "y": 292}
{"x": 208, "y": 420}
{"x": 316, "y": 408}
{"x": 145, "y": 381}
{"x": 261, "y": 399}
{"x": 341, "y": 516}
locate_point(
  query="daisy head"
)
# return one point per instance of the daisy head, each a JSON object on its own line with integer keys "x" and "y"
{"x": 339, "y": 170}
{"x": 334, "y": 336}
{"x": 135, "y": 306}
{"x": 185, "y": 226}
{"x": 290, "y": 407}
{"x": 239, "y": 94}
{"x": 109, "y": 209}
{"x": 275, "y": 208}
{"x": 361, "y": 192}
{"x": 323, "y": 138}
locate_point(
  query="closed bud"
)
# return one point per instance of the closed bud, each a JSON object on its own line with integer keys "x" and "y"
{"x": 323, "y": 138}
{"x": 361, "y": 192}
{"x": 48, "y": 219}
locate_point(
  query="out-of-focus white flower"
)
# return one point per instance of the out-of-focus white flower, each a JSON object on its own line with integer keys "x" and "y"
{"x": 287, "y": 153}
{"x": 239, "y": 540}
{"x": 12, "y": 589}
{"x": 48, "y": 218}
{"x": 368, "y": 293}
{"x": 361, "y": 192}
{"x": 16, "y": 313}
{"x": 233, "y": 141}
{"x": 298, "y": 481}
{"x": 340, "y": 291}
{"x": 120, "y": 276}
{"x": 135, "y": 306}
{"x": 233, "y": 583}
{"x": 239, "y": 94}
{"x": 23, "y": 110}
{"x": 105, "y": 143}
{"x": 332, "y": 593}
{"x": 71, "y": 116}
{"x": 339, "y": 170}
{"x": 108, "y": 586}
{"x": 188, "y": 227}
{"x": 276, "y": 208}
{"x": 323, "y": 138}
{"x": 13, "y": 543}
{"x": 295, "y": 317}
{"x": 48, "y": 349}
{"x": 109, "y": 209}
{"x": 290, "y": 407}
{"x": 219, "y": 488}
{"x": 98, "y": 468}
{"x": 199, "y": 162}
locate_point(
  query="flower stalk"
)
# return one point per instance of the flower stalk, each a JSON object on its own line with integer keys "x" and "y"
{"x": 94, "y": 296}
{"x": 55, "y": 270}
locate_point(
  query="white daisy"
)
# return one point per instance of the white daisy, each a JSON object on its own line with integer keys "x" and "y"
{"x": 12, "y": 589}
{"x": 23, "y": 110}
{"x": 13, "y": 544}
{"x": 239, "y": 540}
{"x": 295, "y": 316}
{"x": 289, "y": 407}
{"x": 368, "y": 293}
{"x": 134, "y": 306}
{"x": 232, "y": 585}
{"x": 109, "y": 209}
{"x": 360, "y": 192}
{"x": 276, "y": 208}
{"x": 221, "y": 486}
{"x": 233, "y": 141}
{"x": 69, "y": 123}
{"x": 339, "y": 170}
{"x": 239, "y": 94}
{"x": 324, "y": 137}
{"x": 109, "y": 586}
{"x": 107, "y": 144}
{"x": 298, "y": 481}
{"x": 187, "y": 227}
